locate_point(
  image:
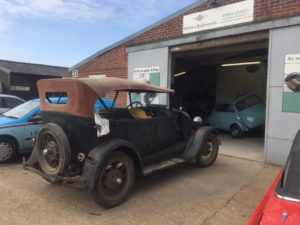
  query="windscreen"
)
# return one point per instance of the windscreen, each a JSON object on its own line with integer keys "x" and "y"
{"x": 149, "y": 98}
{"x": 21, "y": 110}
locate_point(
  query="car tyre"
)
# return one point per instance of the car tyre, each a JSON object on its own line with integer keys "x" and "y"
{"x": 236, "y": 131}
{"x": 53, "y": 149}
{"x": 208, "y": 152}
{"x": 115, "y": 180}
{"x": 8, "y": 149}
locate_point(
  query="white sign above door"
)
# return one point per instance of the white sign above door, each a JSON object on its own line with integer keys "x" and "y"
{"x": 232, "y": 14}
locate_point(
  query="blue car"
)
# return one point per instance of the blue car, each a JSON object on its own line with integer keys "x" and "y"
{"x": 21, "y": 124}
{"x": 242, "y": 115}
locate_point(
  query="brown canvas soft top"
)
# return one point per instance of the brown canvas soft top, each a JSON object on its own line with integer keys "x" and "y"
{"x": 83, "y": 92}
{"x": 103, "y": 85}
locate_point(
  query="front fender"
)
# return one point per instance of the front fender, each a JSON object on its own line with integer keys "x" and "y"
{"x": 196, "y": 141}
{"x": 97, "y": 156}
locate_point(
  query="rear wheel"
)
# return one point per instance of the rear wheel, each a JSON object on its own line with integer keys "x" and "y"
{"x": 53, "y": 149}
{"x": 208, "y": 152}
{"x": 115, "y": 180}
{"x": 8, "y": 149}
{"x": 236, "y": 131}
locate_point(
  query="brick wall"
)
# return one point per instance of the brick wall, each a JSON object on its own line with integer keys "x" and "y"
{"x": 263, "y": 10}
{"x": 115, "y": 61}
{"x": 113, "y": 64}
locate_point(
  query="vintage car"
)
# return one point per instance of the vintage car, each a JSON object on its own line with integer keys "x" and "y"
{"x": 108, "y": 149}
{"x": 241, "y": 115}
{"x": 281, "y": 203}
{"x": 21, "y": 124}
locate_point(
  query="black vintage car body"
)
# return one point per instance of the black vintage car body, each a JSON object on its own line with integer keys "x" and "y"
{"x": 140, "y": 139}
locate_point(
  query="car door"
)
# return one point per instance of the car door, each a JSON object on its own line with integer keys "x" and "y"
{"x": 31, "y": 129}
{"x": 251, "y": 110}
{"x": 223, "y": 116}
{"x": 141, "y": 133}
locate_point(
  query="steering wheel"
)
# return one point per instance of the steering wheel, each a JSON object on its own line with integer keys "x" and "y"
{"x": 137, "y": 105}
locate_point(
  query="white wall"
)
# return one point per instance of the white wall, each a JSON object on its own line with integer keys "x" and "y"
{"x": 234, "y": 80}
{"x": 281, "y": 127}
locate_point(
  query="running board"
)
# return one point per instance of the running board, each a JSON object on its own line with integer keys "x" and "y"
{"x": 162, "y": 165}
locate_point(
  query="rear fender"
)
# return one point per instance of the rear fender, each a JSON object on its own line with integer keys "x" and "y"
{"x": 97, "y": 156}
{"x": 196, "y": 142}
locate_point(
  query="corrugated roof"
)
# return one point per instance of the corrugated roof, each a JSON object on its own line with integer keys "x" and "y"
{"x": 33, "y": 69}
{"x": 166, "y": 19}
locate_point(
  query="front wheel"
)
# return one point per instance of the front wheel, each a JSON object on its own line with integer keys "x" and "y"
{"x": 208, "y": 152}
{"x": 236, "y": 131}
{"x": 115, "y": 180}
{"x": 8, "y": 149}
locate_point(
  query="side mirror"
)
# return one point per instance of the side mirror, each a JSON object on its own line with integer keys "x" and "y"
{"x": 198, "y": 120}
{"x": 36, "y": 118}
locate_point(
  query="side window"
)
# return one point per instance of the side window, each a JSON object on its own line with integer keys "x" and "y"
{"x": 11, "y": 102}
{"x": 56, "y": 97}
{"x": 1, "y": 103}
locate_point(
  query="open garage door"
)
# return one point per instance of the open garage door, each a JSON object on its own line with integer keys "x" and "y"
{"x": 226, "y": 86}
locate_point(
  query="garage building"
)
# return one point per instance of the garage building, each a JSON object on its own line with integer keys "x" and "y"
{"x": 214, "y": 51}
{"x": 19, "y": 78}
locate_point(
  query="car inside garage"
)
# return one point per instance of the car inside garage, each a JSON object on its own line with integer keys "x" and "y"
{"x": 226, "y": 86}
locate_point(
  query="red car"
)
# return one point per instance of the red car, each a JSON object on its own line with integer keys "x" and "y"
{"x": 281, "y": 203}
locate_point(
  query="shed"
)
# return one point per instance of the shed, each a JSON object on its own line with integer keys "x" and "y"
{"x": 19, "y": 78}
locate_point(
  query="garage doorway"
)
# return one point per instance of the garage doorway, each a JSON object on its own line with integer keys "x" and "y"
{"x": 212, "y": 80}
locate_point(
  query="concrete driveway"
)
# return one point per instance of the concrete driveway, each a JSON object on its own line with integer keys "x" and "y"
{"x": 250, "y": 147}
{"x": 223, "y": 194}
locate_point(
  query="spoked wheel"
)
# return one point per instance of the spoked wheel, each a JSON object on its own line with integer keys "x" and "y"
{"x": 115, "y": 180}
{"x": 208, "y": 152}
{"x": 8, "y": 149}
{"x": 53, "y": 149}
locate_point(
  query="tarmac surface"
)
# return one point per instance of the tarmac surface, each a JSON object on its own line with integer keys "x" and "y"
{"x": 225, "y": 193}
